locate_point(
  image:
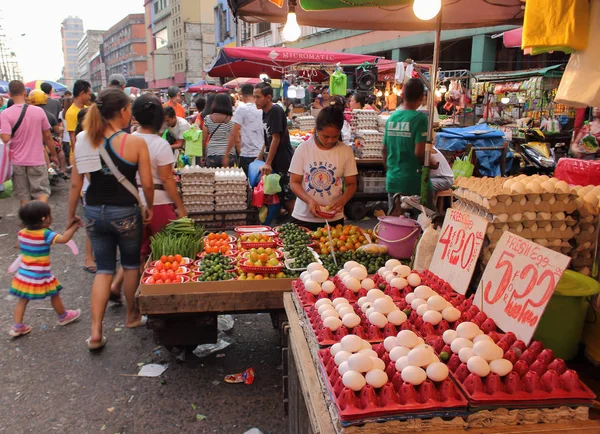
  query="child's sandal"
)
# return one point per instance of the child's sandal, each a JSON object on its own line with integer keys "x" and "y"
{"x": 96, "y": 345}
{"x": 15, "y": 332}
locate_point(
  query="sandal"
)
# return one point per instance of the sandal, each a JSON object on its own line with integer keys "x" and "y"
{"x": 96, "y": 345}
{"x": 90, "y": 268}
{"x": 141, "y": 322}
{"x": 115, "y": 298}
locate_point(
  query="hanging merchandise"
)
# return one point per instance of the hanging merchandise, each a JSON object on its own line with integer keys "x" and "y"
{"x": 584, "y": 144}
{"x": 580, "y": 84}
{"x": 543, "y": 32}
{"x": 338, "y": 83}
{"x": 193, "y": 141}
{"x": 399, "y": 76}
{"x": 408, "y": 73}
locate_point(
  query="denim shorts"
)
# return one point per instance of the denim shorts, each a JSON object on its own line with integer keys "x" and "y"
{"x": 109, "y": 227}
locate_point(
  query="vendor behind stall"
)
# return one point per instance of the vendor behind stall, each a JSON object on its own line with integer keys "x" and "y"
{"x": 323, "y": 171}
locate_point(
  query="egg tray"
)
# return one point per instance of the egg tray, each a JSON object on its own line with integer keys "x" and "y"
{"x": 396, "y": 399}
{"x": 307, "y": 299}
{"x": 365, "y": 330}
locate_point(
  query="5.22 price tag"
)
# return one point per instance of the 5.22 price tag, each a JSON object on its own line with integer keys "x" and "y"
{"x": 518, "y": 283}
{"x": 458, "y": 248}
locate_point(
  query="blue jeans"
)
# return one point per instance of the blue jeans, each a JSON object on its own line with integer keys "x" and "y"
{"x": 109, "y": 227}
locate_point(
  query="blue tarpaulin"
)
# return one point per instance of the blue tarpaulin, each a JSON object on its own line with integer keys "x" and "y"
{"x": 456, "y": 139}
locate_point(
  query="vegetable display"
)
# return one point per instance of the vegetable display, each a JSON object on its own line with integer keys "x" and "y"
{"x": 180, "y": 237}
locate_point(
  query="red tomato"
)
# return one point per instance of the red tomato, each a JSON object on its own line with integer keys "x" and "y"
{"x": 159, "y": 282}
{"x": 163, "y": 259}
{"x": 170, "y": 258}
{"x": 160, "y": 266}
{"x": 178, "y": 258}
{"x": 150, "y": 281}
{"x": 168, "y": 281}
{"x": 164, "y": 275}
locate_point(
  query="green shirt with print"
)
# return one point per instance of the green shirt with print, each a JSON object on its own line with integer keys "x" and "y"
{"x": 404, "y": 129}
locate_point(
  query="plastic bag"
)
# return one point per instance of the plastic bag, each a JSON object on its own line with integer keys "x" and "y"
{"x": 584, "y": 144}
{"x": 223, "y": 341}
{"x": 464, "y": 167}
{"x": 193, "y": 141}
{"x": 258, "y": 195}
{"x": 426, "y": 246}
{"x": 272, "y": 183}
{"x": 6, "y": 168}
{"x": 254, "y": 173}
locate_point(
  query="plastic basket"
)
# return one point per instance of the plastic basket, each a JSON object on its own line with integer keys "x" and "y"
{"x": 374, "y": 184}
{"x": 261, "y": 270}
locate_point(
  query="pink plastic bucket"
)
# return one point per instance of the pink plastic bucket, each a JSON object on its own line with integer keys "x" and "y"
{"x": 398, "y": 234}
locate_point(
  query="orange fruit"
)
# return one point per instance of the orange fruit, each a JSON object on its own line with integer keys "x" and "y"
{"x": 163, "y": 259}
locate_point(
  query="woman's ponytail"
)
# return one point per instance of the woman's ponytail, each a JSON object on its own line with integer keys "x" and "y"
{"x": 108, "y": 105}
{"x": 94, "y": 125}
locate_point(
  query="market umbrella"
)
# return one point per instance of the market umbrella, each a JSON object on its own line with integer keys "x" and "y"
{"x": 35, "y": 84}
{"x": 205, "y": 88}
{"x": 235, "y": 83}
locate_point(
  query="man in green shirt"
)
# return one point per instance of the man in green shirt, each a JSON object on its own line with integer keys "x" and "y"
{"x": 404, "y": 144}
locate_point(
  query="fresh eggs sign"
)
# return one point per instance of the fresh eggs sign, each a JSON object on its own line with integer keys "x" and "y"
{"x": 518, "y": 283}
{"x": 458, "y": 248}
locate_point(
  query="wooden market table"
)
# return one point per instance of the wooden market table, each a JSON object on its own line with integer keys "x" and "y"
{"x": 311, "y": 410}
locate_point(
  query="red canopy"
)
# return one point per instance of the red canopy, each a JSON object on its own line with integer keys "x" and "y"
{"x": 205, "y": 88}
{"x": 276, "y": 61}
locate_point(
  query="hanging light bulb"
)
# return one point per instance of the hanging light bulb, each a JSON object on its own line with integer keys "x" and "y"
{"x": 427, "y": 9}
{"x": 387, "y": 94}
{"x": 292, "y": 91}
{"x": 263, "y": 77}
{"x": 380, "y": 93}
{"x": 438, "y": 93}
{"x": 291, "y": 31}
{"x": 443, "y": 89}
{"x": 505, "y": 99}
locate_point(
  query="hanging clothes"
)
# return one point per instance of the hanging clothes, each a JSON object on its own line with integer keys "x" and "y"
{"x": 338, "y": 83}
{"x": 399, "y": 76}
{"x": 558, "y": 25}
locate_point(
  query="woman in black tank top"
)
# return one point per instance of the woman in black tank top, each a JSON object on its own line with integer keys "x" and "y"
{"x": 113, "y": 217}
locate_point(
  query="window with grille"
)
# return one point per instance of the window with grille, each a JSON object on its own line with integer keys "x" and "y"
{"x": 263, "y": 28}
{"x": 246, "y": 31}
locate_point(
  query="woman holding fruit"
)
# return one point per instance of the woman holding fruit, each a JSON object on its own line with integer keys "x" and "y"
{"x": 323, "y": 173}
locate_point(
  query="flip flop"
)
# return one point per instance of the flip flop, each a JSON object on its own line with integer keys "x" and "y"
{"x": 97, "y": 345}
{"x": 142, "y": 322}
{"x": 90, "y": 269}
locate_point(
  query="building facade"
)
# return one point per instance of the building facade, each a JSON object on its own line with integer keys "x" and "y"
{"x": 87, "y": 47}
{"x": 180, "y": 39}
{"x": 97, "y": 72}
{"x": 71, "y": 33}
{"x": 123, "y": 50}
{"x": 225, "y": 31}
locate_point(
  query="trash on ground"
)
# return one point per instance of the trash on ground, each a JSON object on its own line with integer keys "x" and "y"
{"x": 200, "y": 417}
{"x": 223, "y": 341}
{"x": 110, "y": 410}
{"x": 253, "y": 431}
{"x": 246, "y": 377}
{"x": 225, "y": 323}
{"x": 118, "y": 329}
{"x": 220, "y": 355}
{"x": 194, "y": 406}
{"x": 152, "y": 370}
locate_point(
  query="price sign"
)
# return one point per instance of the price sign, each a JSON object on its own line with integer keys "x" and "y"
{"x": 518, "y": 283}
{"x": 458, "y": 248}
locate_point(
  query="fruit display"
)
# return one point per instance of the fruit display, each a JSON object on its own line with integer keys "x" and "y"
{"x": 215, "y": 262}
{"x": 293, "y": 235}
{"x": 167, "y": 269}
{"x": 298, "y": 257}
{"x": 214, "y": 275}
{"x": 261, "y": 276}
{"x": 343, "y": 239}
{"x": 373, "y": 261}
{"x": 181, "y": 237}
{"x": 219, "y": 243}
{"x": 258, "y": 239}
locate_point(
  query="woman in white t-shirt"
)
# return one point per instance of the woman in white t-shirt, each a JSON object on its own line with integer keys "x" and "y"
{"x": 323, "y": 171}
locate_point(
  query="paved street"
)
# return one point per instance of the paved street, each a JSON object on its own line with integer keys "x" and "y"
{"x": 51, "y": 383}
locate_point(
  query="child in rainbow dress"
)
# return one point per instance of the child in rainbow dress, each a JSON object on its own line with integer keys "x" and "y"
{"x": 34, "y": 279}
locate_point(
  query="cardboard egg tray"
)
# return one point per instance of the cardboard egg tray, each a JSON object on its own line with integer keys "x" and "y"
{"x": 395, "y": 399}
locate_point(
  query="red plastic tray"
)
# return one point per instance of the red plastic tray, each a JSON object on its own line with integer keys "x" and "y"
{"x": 184, "y": 261}
{"x": 394, "y": 397}
{"x": 307, "y": 299}
{"x": 185, "y": 270}
{"x": 248, "y": 245}
{"x": 261, "y": 270}
{"x": 182, "y": 279}
{"x": 232, "y": 239}
{"x": 278, "y": 254}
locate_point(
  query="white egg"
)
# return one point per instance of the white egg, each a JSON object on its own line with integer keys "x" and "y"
{"x": 304, "y": 274}
{"x": 407, "y": 338}
{"x": 480, "y": 338}
{"x": 366, "y": 345}
{"x": 417, "y": 302}
{"x": 341, "y": 356}
{"x": 465, "y": 354}
{"x": 402, "y": 270}
{"x": 467, "y": 330}
{"x": 391, "y": 263}
{"x": 351, "y": 343}
{"x": 478, "y": 366}
{"x": 322, "y": 301}
{"x": 314, "y": 266}
{"x": 361, "y": 301}
{"x": 376, "y": 378}
{"x": 501, "y": 367}
{"x": 420, "y": 341}
{"x": 360, "y": 363}
{"x": 437, "y": 302}
{"x": 397, "y": 317}
{"x": 399, "y": 282}
{"x": 378, "y": 319}
{"x": 401, "y": 363}
{"x": 459, "y": 343}
{"x": 421, "y": 309}
{"x": 350, "y": 265}
{"x": 424, "y": 292}
{"x": 328, "y": 286}
{"x": 339, "y": 273}
{"x": 319, "y": 276}
{"x": 313, "y": 287}
{"x": 451, "y": 314}
{"x": 367, "y": 283}
{"x": 426, "y": 347}
{"x": 381, "y": 271}
{"x": 487, "y": 350}
{"x": 378, "y": 363}
{"x": 374, "y": 294}
{"x": 389, "y": 343}
{"x": 370, "y": 311}
{"x": 306, "y": 278}
{"x": 448, "y": 336}
{"x": 343, "y": 275}
{"x": 413, "y": 280}
{"x": 366, "y": 306}
{"x": 390, "y": 277}
{"x": 354, "y": 380}
{"x": 325, "y": 307}
{"x": 385, "y": 274}
{"x": 352, "y": 284}
{"x": 335, "y": 348}
{"x": 437, "y": 371}
{"x": 340, "y": 300}
{"x": 413, "y": 375}
{"x": 419, "y": 357}
{"x": 350, "y": 320}
{"x": 384, "y": 305}
{"x": 343, "y": 368}
{"x": 410, "y": 297}
{"x": 359, "y": 273}
{"x": 329, "y": 314}
{"x": 432, "y": 316}
{"x": 332, "y": 323}
{"x": 398, "y": 352}
{"x": 344, "y": 309}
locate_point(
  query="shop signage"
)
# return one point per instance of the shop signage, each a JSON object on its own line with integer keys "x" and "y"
{"x": 518, "y": 283}
{"x": 458, "y": 248}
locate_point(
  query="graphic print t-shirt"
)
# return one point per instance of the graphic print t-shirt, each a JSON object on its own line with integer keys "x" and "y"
{"x": 323, "y": 174}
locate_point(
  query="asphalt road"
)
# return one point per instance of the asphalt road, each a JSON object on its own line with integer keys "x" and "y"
{"x": 51, "y": 383}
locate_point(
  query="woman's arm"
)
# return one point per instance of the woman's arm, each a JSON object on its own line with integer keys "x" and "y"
{"x": 74, "y": 195}
{"x": 296, "y": 187}
{"x": 166, "y": 177}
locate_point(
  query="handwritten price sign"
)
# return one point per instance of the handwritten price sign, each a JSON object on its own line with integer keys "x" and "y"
{"x": 518, "y": 283}
{"x": 458, "y": 248}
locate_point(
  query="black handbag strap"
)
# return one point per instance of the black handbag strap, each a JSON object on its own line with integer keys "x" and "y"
{"x": 20, "y": 120}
